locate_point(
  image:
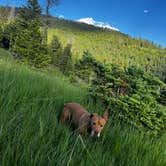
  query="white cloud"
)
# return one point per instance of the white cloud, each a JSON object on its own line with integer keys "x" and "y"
{"x": 146, "y": 11}
{"x": 91, "y": 21}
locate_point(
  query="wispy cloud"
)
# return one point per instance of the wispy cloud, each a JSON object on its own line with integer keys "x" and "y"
{"x": 146, "y": 11}
{"x": 100, "y": 24}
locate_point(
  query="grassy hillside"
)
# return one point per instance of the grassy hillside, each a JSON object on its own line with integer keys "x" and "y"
{"x": 109, "y": 46}
{"x": 32, "y": 99}
{"x": 30, "y": 134}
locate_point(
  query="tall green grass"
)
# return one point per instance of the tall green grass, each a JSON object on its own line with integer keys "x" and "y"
{"x": 30, "y": 134}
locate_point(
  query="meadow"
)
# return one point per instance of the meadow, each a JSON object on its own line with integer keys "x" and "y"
{"x": 30, "y": 133}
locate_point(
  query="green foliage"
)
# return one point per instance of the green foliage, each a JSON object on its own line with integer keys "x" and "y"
{"x": 65, "y": 61}
{"x": 24, "y": 38}
{"x": 5, "y": 55}
{"x": 82, "y": 73}
{"x": 9, "y": 32}
{"x": 30, "y": 134}
{"x": 109, "y": 46}
{"x": 29, "y": 48}
{"x": 61, "y": 58}
{"x": 162, "y": 98}
{"x": 31, "y": 11}
{"x": 4, "y": 13}
{"x": 1, "y": 36}
{"x": 131, "y": 94}
{"x": 55, "y": 51}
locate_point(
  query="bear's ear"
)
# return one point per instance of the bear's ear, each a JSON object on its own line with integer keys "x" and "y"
{"x": 105, "y": 115}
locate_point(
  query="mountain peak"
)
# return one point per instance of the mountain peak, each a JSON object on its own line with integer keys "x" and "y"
{"x": 91, "y": 21}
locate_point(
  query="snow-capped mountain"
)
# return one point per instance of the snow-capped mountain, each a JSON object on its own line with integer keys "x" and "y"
{"x": 100, "y": 24}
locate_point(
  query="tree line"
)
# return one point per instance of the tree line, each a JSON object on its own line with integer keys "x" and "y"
{"x": 26, "y": 38}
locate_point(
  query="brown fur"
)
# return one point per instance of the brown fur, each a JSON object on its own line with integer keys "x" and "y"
{"x": 82, "y": 120}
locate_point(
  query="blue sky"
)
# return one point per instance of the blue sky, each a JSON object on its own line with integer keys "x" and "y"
{"x": 138, "y": 18}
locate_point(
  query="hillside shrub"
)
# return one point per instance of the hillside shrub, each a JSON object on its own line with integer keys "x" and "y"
{"x": 55, "y": 51}
{"x": 1, "y": 35}
{"x": 65, "y": 60}
{"x": 131, "y": 94}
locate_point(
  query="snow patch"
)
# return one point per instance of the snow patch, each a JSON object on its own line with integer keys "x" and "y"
{"x": 91, "y": 21}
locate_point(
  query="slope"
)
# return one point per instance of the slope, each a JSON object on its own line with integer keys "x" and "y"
{"x": 109, "y": 46}
{"x": 30, "y": 133}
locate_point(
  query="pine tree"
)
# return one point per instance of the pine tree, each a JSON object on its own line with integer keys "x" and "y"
{"x": 55, "y": 51}
{"x": 29, "y": 48}
{"x": 31, "y": 11}
{"x": 10, "y": 31}
{"x": 1, "y": 36}
{"x": 65, "y": 61}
